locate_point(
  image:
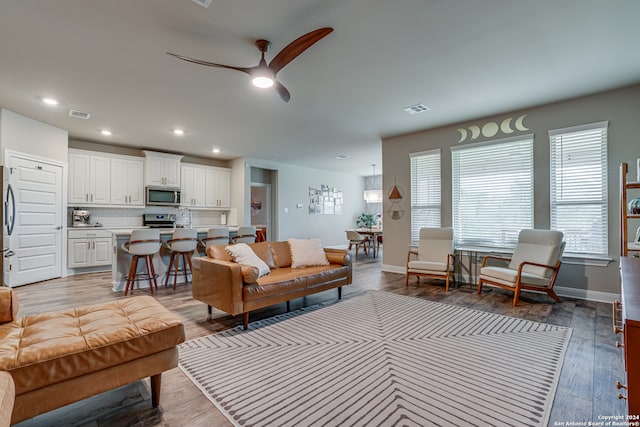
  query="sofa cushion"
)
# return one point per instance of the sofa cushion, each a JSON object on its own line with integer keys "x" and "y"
{"x": 8, "y": 305}
{"x": 307, "y": 252}
{"x": 244, "y": 255}
{"x": 287, "y": 280}
{"x": 281, "y": 254}
{"x": 219, "y": 252}
{"x": 47, "y": 348}
{"x": 263, "y": 250}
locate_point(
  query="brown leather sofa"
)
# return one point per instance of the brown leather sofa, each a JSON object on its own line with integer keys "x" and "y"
{"x": 61, "y": 357}
{"x": 219, "y": 282}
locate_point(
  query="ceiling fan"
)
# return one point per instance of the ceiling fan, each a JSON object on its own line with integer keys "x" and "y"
{"x": 264, "y": 75}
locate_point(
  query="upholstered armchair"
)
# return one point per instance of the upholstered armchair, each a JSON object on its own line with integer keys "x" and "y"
{"x": 434, "y": 257}
{"x": 534, "y": 265}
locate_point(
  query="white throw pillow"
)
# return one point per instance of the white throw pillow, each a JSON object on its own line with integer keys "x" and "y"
{"x": 243, "y": 254}
{"x": 307, "y": 252}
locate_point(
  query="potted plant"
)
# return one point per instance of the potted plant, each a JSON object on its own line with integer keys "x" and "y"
{"x": 366, "y": 220}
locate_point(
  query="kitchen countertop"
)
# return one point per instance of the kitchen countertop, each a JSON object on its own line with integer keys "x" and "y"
{"x": 127, "y": 231}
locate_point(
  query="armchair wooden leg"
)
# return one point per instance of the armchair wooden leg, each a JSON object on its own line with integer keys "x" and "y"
{"x": 479, "y": 286}
{"x": 446, "y": 286}
{"x": 553, "y": 295}
{"x": 339, "y": 292}
{"x": 156, "y": 382}
{"x": 406, "y": 280}
{"x": 516, "y": 295}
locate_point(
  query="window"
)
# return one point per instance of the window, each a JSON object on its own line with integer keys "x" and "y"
{"x": 579, "y": 187}
{"x": 425, "y": 191}
{"x": 492, "y": 191}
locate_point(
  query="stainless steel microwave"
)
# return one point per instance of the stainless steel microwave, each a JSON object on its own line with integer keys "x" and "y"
{"x": 162, "y": 196}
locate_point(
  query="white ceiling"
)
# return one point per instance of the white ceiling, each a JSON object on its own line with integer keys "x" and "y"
{"x": 463, "y": 58}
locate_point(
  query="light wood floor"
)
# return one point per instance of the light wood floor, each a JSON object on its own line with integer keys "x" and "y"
{"x": 586, "y": 390}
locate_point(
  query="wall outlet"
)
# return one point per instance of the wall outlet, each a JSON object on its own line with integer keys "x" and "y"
{"x": 299, "y": 206}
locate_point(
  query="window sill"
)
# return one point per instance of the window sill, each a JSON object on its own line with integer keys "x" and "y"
{"x": 588, "y": 260}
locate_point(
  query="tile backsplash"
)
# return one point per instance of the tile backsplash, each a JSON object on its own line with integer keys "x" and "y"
{"x": 132, "y": 217}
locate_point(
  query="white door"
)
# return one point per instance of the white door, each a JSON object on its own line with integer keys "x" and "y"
{"x": 36, "y": 239}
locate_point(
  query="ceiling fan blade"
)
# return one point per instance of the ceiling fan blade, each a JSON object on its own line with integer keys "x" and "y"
{"x": 209, "y": 64}
{"x": 282, "y": 91}
{"x": 296, "y": 47}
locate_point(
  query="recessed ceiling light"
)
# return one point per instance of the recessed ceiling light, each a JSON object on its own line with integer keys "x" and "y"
{"x": 106, "y": 132}
{"x": 216, "y": 150}
{"x": 50, "y": 101}
{"x": 178, "y": 132}
{"x": 343, "y": 156}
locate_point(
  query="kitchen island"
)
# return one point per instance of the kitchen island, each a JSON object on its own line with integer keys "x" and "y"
{"x": 122, "y": 260}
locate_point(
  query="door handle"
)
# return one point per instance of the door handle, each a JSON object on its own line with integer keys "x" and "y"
{"x": 59, "y": 227}
{"x": 9, "y": 253}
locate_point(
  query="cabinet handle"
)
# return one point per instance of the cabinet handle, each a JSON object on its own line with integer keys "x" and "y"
{"x": 88, "y": 245}
{"x": 86, "y": 197}
{"x": 622, "y": 396}
{"x": 619, "y": 344}
{"x": 92, "y": 197}
{"x": 619, "y": 385}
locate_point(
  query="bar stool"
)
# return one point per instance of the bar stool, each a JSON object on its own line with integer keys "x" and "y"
{"x": 246, "y": 234}
{"x": 181, "y": 245}
{"x": 216, "y": 236}
{"x": 142, "y": 244}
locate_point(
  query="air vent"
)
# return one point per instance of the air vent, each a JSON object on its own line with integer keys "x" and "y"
{"x": 79, "y": 114}
{"x": 203, "y": 3}
{"x": 416, "y": 109}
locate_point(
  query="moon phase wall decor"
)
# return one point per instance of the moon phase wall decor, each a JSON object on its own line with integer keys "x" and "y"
{"x": 490, "y": 129}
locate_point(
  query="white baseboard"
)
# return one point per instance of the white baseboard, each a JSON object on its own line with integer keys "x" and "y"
{"x": 586, "y": 294}
{"x": 562, "y": 291}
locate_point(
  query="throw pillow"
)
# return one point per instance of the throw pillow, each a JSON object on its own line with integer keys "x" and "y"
{"x": 306, "y": 253}
{"x": 243, "y": 254}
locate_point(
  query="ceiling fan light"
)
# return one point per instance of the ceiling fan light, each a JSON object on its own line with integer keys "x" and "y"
{"x": 262, "y": 82}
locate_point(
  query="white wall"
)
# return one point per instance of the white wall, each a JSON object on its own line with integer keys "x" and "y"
{"x": 26, "y": 135}
{"x": 619, "y": 107}
{"x": 292, "y": 188}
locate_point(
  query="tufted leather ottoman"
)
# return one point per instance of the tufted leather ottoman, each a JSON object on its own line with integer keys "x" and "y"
{"x": 61, "y": 357}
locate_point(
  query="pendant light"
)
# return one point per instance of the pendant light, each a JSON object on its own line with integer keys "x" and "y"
{"x": 373, "y": 196}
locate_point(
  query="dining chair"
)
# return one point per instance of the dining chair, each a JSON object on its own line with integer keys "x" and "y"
{"x": 358, "y": 240}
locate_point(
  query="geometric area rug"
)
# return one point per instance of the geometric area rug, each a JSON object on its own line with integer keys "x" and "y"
{"x": 381, "y": 359}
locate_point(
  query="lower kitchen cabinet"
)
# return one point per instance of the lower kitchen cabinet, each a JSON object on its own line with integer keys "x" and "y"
{"x": 89, "y": 248}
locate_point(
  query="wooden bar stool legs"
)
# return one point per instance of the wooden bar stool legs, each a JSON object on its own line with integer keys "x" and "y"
{"x": 181, "y": 245}
{"x": 142, "y": 244}
{"x": 174, "y": 266}
{"x": 131, "y": 277}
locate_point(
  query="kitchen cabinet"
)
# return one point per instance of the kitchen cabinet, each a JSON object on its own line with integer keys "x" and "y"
{"x": 89, "y": 248}
{"x": 89, "y": 179}
{"x": 161, "y": 169}
{"x": 218, "y": 190}
{"x": 127, "y": 181}
{"x": 193, "y": 185}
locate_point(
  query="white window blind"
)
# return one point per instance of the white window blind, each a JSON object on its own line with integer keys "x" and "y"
{"x": 492, "y": 191}
{"x": 425, "y": 191}
{"x": 579, "y": 187}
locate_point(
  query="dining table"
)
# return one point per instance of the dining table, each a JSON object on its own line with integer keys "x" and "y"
{"x": 376, "y": 236}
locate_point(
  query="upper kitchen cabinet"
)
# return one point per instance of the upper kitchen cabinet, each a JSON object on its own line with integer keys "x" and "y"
{"x": 161, "y": 169}
{"x": 127, "y": 181}
{"x": 193, "y": 185}
{"x": 89, "y": 178}
{"x": 218, "y": 189}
